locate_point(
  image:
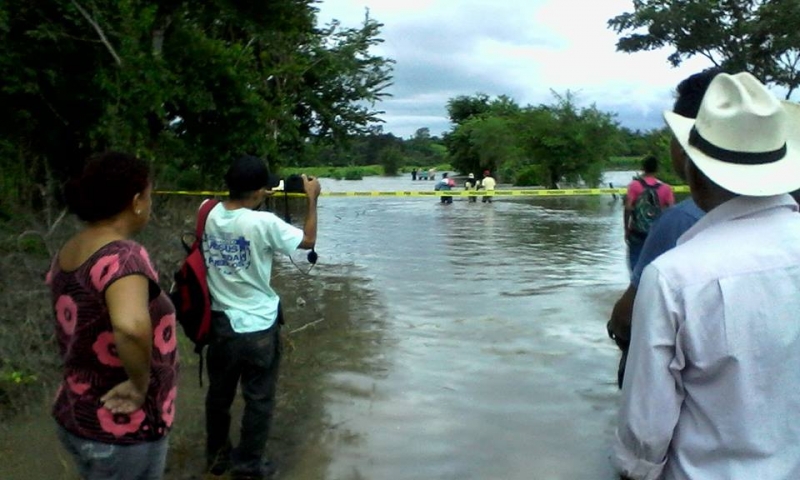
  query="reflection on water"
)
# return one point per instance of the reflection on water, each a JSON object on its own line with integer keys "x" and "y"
{"x": 458, "y": 341}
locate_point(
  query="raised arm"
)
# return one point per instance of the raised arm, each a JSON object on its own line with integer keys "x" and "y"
{"x": 313, "y": 189}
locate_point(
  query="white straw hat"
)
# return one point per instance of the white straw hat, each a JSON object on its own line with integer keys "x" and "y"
{"x": 744, "y": 139}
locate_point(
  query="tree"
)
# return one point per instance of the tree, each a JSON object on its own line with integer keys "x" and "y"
{"x": 759, "y": 36}
{"x": 390, "y": 159}
{"x": 547, "y": 143}
{"x": 567, "y": 142}
{"x": 463, "y": 107}
{"x": 483, "y": 132}
{"x": 422, "y": 134}
{"x": 187, "y": 84}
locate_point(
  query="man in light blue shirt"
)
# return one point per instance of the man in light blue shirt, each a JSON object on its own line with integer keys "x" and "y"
{"x": 670, "y": 225}
{"x": 239, "y": 244}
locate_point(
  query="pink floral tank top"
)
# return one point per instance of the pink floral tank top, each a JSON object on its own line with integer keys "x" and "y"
{"x": 86, "y": 342}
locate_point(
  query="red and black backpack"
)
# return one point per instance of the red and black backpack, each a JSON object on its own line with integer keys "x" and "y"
{"x": 190, "y": 293}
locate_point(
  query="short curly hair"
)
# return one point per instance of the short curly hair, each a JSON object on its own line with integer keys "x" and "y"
{"x": 107, "y": 185}
{"x": 691, "y": 90}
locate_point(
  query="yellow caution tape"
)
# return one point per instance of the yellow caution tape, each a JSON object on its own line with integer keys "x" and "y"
{"x": 567, "y": 192}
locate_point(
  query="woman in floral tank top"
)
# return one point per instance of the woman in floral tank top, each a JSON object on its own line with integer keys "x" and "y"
{"x": 115, "y": 329}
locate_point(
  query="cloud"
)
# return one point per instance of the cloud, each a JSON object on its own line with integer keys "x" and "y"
{"x": 520, "y": 48}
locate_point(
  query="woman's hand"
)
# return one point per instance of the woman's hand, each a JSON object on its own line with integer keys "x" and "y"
{"x": 124, "y": 398}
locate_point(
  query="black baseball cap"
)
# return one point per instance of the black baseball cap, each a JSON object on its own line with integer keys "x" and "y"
{"x": 247, "y": 174}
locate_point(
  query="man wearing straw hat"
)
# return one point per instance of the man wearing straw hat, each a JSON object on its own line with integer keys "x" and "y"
{"x": 712, "y": 388}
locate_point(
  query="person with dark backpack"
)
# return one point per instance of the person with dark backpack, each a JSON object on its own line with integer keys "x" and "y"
{"x": 663, "y": 234}
{"x": 647, "y": 198}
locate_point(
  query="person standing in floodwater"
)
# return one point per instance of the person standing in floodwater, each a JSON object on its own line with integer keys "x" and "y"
{"x": 470, "y": 185}
{"x": 669, "y": 226}
{"x": 115, "y": 328}
{"x": 647, "y": 197}
{"x": 445, "y": 184}
{"x": 488, "y": 184}
{"x": 413, "y": 174}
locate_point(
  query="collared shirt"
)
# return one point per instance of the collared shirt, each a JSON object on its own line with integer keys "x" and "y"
{"x": 238, "y": 246}
{"x": 664, "y": 234}
{"x": 712, "y": 388}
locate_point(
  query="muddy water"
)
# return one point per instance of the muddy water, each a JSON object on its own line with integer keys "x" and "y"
{"x": 459, "y": 341}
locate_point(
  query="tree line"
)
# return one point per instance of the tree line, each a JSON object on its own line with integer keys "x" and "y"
{"x": 189, "y": 84}
{"x": 186, "y": 84}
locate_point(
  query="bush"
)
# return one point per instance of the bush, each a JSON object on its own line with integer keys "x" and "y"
{"x": 532, "y": 175}
{"x": 353, "y": 174}
{"x": 334, "y": 173}
{"x": 390, "y": 159}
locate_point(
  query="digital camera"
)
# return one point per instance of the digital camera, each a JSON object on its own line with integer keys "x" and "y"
{"x": 291, "y": 184}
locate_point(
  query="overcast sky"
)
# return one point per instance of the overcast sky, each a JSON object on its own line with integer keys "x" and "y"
{"x": 520, "y": 48}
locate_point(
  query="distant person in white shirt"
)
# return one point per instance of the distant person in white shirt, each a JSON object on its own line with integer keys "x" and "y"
{"x": 488, "y": 183}
{"x": 712, "y": 388}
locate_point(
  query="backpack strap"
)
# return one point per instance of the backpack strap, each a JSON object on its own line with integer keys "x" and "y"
{"x": 646, "y": 185}
{"x": 202, "y": 217}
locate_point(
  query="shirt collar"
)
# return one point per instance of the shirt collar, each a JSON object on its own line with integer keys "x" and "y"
{"x": 736, "y": 208}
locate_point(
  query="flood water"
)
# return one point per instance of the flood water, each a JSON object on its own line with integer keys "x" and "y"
{"x": 462, "y": 341}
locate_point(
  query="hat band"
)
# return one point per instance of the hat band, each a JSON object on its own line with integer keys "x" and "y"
{"x": 731, "y": 156}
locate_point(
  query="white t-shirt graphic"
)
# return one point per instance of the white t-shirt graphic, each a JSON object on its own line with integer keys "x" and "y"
{"x": 238, "y": 246}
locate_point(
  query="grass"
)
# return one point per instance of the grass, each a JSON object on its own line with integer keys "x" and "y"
{"x": 624, "y": 163}
{"x": 338, "y": 173}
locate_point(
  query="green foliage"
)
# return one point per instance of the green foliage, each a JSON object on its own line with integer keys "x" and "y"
{"x": 531, "y": 175}
{"x": 390, "y": 159}
{"x": 624, "y": 163}
{"x": 361, "y": 150}
{"x": 337, "y": 173}
{"x": 464, "y": 107}
{"x": 353, "y": 174}
{"x": 32, "y": 245}
{"x": 16, "y": 377}
{"x": 484, "y": 136}
{"x": 753, "y": 35}
{"x": 562, "y": 141}
{"x": 189, "y": 85}
{"x": 568, "y": 142}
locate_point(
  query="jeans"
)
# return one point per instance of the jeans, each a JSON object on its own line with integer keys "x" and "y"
{"x": 252, "y": 358}
{"x": 635, "y": 245}
{"x": 106, "y": 461}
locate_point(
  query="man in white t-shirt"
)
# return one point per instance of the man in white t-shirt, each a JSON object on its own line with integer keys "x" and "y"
{"x": 488, "y": 183}
{"x": 239, "y": 244}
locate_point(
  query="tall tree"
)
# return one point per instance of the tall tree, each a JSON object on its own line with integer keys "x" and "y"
{"x": 567, "y": 142}
{"x": 188, "y": 84}
{"x": 482, "y": 134}
{"x": 759, "y": 36}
